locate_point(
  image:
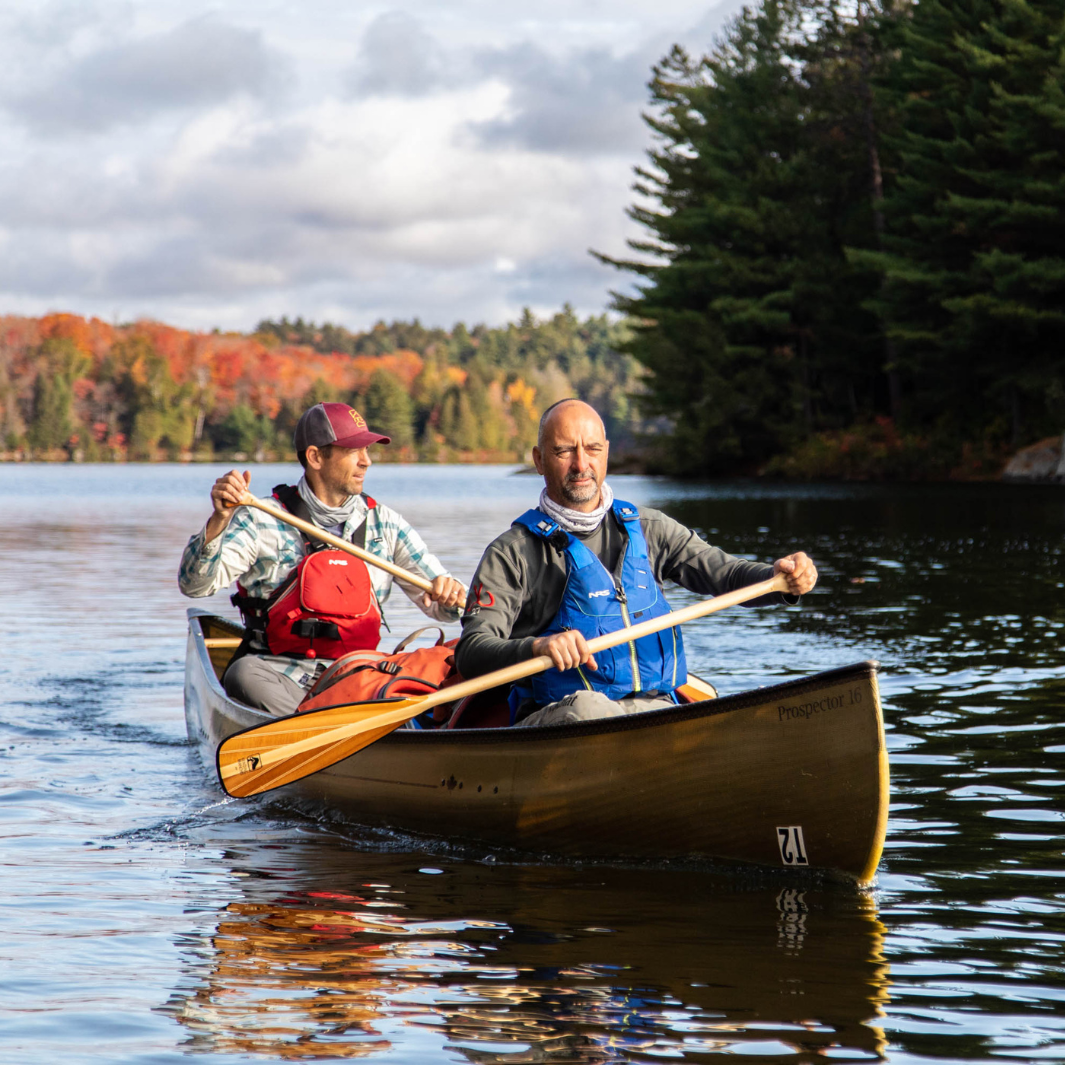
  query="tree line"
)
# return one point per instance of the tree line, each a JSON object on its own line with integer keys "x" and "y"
{"x": 76, "y": 387}
{"x": 854, "y": 250}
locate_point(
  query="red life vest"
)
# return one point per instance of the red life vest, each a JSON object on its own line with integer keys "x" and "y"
{"x": 325, "y": 607}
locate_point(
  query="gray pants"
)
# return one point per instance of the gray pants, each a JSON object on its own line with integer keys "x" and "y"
{"x": 587, "y": 706}
{"x": 256, "y": 683}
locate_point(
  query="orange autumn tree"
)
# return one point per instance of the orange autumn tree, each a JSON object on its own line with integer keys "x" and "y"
{"x": 73, "y": 386}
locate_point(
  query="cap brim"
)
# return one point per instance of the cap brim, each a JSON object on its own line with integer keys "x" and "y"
{"x": 364, "y": 438}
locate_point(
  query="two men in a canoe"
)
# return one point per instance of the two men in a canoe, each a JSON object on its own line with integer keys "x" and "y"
{"x": 583, "y": 564}
{"x": 579, "y": 565}
{"x": 287, "y": 646}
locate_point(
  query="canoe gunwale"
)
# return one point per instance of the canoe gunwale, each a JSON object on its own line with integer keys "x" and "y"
{"x": 644, "y": 719}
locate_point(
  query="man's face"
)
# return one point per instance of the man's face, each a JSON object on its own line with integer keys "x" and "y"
{"x": 573, "y": 457}
{"x": 343, "y": 469}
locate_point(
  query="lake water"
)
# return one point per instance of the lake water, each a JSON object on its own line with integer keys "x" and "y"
{"x": 145, "y": 918}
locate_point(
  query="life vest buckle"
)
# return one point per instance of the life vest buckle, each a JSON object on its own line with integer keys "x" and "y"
{"x": 316, "y": 629}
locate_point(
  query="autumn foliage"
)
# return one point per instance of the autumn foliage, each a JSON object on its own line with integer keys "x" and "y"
{"x": 76, "y": 387}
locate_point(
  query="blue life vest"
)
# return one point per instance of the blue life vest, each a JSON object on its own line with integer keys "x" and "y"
{"x": 594, "y": 606}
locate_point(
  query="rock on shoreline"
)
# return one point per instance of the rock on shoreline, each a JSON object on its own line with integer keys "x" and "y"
{"x": 1044, "y": 461}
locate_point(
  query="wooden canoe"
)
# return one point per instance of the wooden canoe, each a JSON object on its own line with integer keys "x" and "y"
{"x": 791, "y": 775}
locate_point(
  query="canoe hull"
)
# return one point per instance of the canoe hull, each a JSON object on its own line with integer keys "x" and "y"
{"x": 789, "y": 775}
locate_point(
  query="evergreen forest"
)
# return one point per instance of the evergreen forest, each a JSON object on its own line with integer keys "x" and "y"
{"x": 853, "y": 260}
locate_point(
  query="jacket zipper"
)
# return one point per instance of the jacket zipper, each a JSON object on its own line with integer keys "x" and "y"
{"x": 637, "y": 685}
{"x": 673, "y": 633}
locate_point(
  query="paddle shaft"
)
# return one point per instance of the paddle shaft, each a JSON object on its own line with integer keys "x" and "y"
{"x": 341, "y": 545}
{"x": 531, "y": 666}
{"x": 518, "y": 671}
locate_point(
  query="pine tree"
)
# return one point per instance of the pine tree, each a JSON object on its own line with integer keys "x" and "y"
{"x": 466, "y": 435}
{"x": 751, "y": 321}
{"x": 388, "y": 408}
{"x": 487, "y": 414}
{"x": 157, "y": 411}
{"x": 975, "y": 267}
{"x": 60, "y": 364}
{"x": 241, "y": 430}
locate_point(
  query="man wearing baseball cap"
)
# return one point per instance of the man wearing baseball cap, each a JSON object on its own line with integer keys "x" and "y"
{"x": 264, "y": 556}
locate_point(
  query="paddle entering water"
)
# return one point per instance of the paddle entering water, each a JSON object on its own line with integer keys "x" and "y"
{"x": 285, "y": 750}
{"x": 341, "y": 545}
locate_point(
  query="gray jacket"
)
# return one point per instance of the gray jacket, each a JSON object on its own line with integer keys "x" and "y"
{"x": 520, "y": 580}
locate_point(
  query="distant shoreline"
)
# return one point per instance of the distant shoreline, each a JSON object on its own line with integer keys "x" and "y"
{"x": 1039, "y": 464}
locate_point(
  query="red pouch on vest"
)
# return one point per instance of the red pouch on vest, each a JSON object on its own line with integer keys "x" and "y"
{"x": 329, "y": 609}
{"x": 366, "y": 676}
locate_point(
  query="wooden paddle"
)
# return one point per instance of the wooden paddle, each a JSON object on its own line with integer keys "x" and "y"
{"x": 268, "y": 756}
{"x": 341, "y": 545}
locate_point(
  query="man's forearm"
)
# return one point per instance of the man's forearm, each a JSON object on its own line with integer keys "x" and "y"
{"x": 198, "y": 576}
{"x": 479, "y": 653}
{"x": 216, "y": 525}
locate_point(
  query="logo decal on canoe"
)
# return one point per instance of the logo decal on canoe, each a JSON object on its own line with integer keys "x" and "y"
{"x": 792, "y": 845}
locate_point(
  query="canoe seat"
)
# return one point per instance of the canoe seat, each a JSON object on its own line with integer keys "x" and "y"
{"x": 488, "y": 709}
{"x": 695, "y": 690}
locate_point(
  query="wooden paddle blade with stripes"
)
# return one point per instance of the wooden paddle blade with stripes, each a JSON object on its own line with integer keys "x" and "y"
{"x": 269, "y": 756}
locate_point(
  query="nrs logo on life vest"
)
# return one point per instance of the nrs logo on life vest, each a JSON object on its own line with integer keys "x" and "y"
{"x": 595, "y": 595}
{"x": 337, "y": 561}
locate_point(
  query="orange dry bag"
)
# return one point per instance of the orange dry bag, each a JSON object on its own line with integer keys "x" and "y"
{"x": 367, "y": 676}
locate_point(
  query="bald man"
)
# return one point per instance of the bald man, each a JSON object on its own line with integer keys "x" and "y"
{"x": 582, "y": 564}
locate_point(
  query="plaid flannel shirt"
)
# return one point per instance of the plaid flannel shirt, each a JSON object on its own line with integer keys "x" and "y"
{"x": 259, "y": 552}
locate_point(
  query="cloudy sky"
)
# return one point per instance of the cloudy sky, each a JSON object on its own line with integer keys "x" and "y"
{"x": 214, "y": 164}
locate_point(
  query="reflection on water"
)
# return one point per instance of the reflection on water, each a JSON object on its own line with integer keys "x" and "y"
{"x": 555, "y": 969}
{"x": 144, "y": 917}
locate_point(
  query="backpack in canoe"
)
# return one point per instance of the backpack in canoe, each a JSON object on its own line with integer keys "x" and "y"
{"x": 370, "y": 676}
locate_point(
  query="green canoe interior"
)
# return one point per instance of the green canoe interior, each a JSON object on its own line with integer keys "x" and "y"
{"x": 791, "y": 774}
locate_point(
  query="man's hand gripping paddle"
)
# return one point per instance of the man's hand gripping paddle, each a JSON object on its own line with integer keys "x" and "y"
{"x": 268, "y": 756}
{"x": 341, "y": 545}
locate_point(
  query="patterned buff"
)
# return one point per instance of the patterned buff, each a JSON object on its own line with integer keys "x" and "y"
{"x": 328, "y": 517}
{"x": 577, "y": 521}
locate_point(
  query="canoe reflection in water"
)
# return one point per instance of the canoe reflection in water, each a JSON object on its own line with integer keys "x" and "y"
{"x": 587, "y": 965}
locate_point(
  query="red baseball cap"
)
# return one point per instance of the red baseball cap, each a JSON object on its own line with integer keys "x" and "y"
{"x": 334, "y": 423}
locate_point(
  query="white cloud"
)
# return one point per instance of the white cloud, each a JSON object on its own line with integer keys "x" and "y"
{"x": 583, "y": 102}
{"x": 443, "y": 162}
{"x": 397, "y": 56}
{"x": 193, "y": 65}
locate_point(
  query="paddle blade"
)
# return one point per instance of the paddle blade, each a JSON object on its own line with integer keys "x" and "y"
{"x": 269, "y": 756}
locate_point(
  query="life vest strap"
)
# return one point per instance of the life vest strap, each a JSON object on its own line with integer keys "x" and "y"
{"x": 289, "y": 497}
